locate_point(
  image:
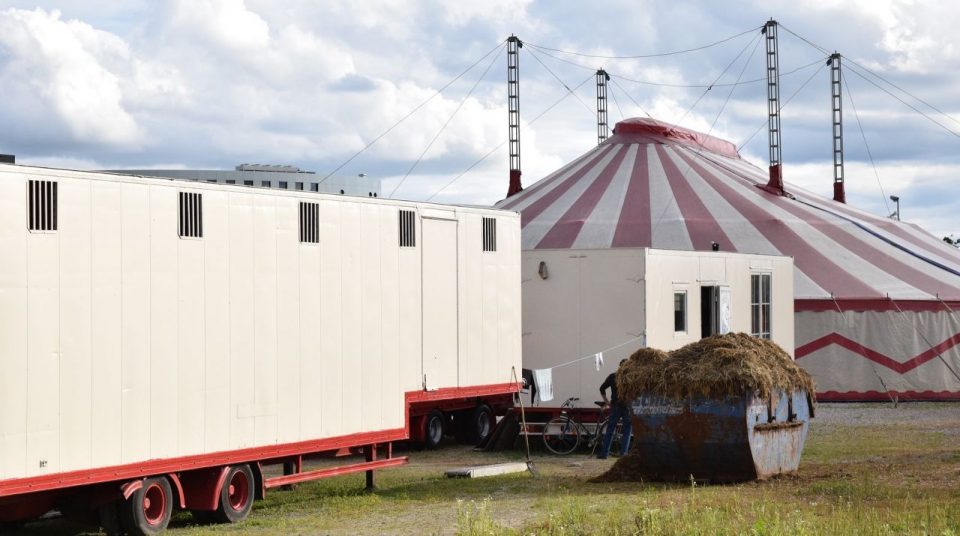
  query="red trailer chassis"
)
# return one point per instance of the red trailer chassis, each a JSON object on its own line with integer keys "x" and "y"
{"x": 138, "y": 498}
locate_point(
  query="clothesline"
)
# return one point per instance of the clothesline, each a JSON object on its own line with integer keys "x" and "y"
{"x": 543, "y": 378}
{"x": 593, "y": 355}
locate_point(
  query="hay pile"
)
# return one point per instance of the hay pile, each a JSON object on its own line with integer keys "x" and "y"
{"x": 719, "y": 366}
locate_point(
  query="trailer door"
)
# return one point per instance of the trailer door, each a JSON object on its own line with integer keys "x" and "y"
{"x": 440, "y": 338}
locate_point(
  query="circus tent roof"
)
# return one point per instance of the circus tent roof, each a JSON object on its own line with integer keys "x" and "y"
{"x": 656, "y": 185}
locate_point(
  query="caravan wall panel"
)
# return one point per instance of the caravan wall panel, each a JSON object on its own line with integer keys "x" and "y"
{"x": 122, "y": 341}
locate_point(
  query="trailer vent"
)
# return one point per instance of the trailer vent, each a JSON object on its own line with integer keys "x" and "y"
{"x": 408, "y": 229}
{"x": 310, "y": 223}
{"x": 489, "y": 234}
{"x": 42, "y": 205}
{"x": 191, "y": 215}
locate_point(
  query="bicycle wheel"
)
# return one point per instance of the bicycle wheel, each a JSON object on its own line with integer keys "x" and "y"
{"x": 561, "y": 435}
{"x": 617, "y": 439}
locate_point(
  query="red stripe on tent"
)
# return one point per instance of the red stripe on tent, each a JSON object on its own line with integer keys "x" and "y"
{"x": 893, "y": 227}
{"x": 824, "y": 272}
{"x": 701, "y": 225}
{"x": 875, "y": 356}
{"x": 528, "y": 214}
{"x": 564, "y": 232}
{"x": 633, "y": 229}
{"x": 884, "y": 305}
{"x": 877, "y": 396}
{"x": 865, "y": 251}
{"x": 945, "y": 252}
{"x": 871, "y": 254}
{"x": 515, "y": 200}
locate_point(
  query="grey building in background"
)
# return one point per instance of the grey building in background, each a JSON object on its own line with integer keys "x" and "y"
{"x": 269, "y": 176}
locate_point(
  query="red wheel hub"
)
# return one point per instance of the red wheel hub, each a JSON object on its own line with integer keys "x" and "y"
{"x": 154, "y": 504}
{"x": 238, "y": 491}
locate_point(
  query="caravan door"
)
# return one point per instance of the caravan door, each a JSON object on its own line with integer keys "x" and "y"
{"x": 440, "y": 324}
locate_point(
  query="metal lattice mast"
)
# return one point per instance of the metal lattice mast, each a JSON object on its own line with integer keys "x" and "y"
{"x": 603, "y": 130}
{"x": 836, "y": 102}
{"x": 513, "y": 112}
{"x": 773, "y": 107}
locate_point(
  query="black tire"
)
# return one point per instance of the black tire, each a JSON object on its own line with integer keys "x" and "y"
{"x": 236, "y": 495}
{"x": 615, "y": 442}
{"x": 480, "y": 424}
{"x": 433, "y": 429}
{"x": 148, "y": 510}
{"x": 561, "y": 435}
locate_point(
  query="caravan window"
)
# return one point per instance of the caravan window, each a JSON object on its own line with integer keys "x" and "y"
{"x": 680, "y": 311}
{"x": 760, "y": 305}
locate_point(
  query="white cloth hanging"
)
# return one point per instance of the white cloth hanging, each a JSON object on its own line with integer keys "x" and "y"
{"x": 543, "y": 378}
{"x": 598, "y": 359}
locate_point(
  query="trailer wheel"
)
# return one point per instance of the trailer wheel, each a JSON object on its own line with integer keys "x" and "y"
{"x": 147, "y": 511}
{"x": 433, "y": 428}
{"x": 480, "y": 424}
{"x": 236, "y": 496}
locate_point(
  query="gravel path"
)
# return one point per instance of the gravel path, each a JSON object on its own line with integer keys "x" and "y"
{"x": 946, "y": 414}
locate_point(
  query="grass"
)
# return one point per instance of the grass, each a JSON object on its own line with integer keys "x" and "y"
{"x": 854, "y": 479}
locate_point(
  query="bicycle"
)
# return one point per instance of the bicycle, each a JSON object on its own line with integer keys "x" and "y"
{"x": 562, "y": 434}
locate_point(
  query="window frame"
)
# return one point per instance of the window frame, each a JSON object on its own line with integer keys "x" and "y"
{"x": 761, "y": 304}
{"x": 685, "y": 310}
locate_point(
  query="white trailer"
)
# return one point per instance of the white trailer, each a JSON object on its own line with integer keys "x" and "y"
{"x": 579, "y": 302}
{"x": 161, "y": 341}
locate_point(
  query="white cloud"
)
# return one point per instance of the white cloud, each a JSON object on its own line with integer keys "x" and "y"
{"x": 215, "y": 82}
{"x": 56, "y": 73}
{"x": 226, "y": 23}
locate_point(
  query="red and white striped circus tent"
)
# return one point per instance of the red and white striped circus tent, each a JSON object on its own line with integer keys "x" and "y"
{"x": 875, "y": 297}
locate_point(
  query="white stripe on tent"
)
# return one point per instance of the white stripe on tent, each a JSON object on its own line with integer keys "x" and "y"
{"x": 546, "y": 185}
{"x": 805, "y": 288}
{"x": 947, "y": 255}
{"x": 743, "y": 233}
{"x": 667, "y": 228}
{"x": 535, "y": 230}
{"x": 601, "y": 225}
{"x": 851, "y": 263}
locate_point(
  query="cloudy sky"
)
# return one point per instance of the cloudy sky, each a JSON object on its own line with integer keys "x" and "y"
{"x": 95, "y": 84}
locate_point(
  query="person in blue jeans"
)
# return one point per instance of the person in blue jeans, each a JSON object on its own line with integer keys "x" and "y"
{"x": 619, "y": 411}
